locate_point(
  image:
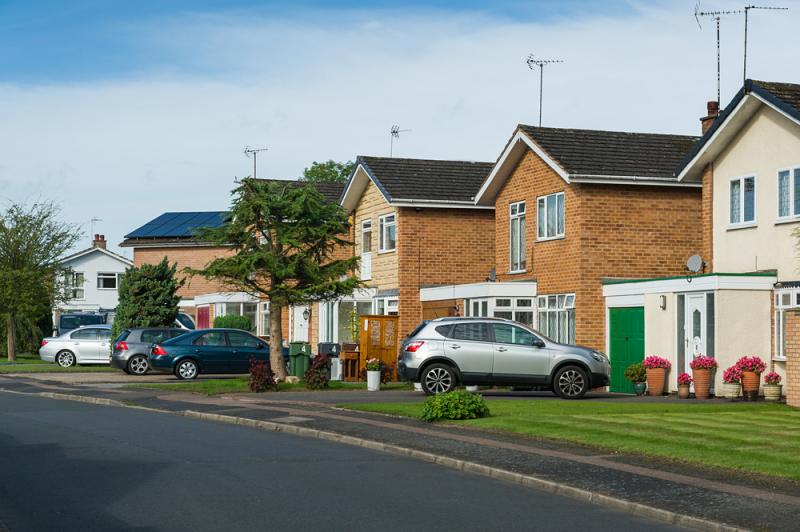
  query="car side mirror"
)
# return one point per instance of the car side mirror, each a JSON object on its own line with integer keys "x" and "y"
{"x": 260, "y": 346}
{"x": 537, "y": 342}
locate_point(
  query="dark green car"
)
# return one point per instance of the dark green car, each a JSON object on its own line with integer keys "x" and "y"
{"x": 208, "y": 351}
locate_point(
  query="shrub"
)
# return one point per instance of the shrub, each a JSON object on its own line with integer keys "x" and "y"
{"x": 454, "y": 405}
{"x": 753, "y": 364}
{"x": 684, "y": 379}
{"x": 316, "y": 375}
{"x": 636, "y": 373}
{"x": 233, "y": 321}
{"x": 772, "y": 378}
{"x": 703, "y": 363}
{"x": 261, "y": 377}
{"x": 732, "y": 375}
{"x": 655, "y": 362}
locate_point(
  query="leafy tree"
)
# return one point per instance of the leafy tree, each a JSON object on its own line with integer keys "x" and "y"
{"x": 328, "y": 172}
{"x": 283, "y": 238}
{"x": 147, "y": 297}
{"x": 32, "y": 279}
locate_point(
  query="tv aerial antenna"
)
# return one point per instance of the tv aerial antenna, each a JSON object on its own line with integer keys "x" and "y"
{"x": 91, "y": 224}
{"x": 248, "y": 151}
{"x": 694, "y": 265}
{"x": 746, "y": 11}
{"x": 394, "y": 133}
{"x": 532, "y": 62}
{"x": 716, "y": 15}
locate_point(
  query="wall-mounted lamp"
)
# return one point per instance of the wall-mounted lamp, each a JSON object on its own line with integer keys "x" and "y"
{"x": 306, "y": 314}
{"x": 662, "y": 302}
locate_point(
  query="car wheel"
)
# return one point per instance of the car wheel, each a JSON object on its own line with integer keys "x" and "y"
{"x": 137, "y": 365}
{"x": 571, "y": 382}
{"x": 438, "y": 378}
{"x": 186, "y": 370}
{"x": 65, "y": 359}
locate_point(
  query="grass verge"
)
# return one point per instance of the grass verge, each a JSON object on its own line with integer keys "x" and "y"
{"x": 31, "y": 363}
{"x": 753, "y": 437}
{"x": 239, "y": 385}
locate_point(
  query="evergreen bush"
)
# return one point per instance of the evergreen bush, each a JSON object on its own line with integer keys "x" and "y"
{"x": 454, "y": 405}
{"x": 233, "y": 321}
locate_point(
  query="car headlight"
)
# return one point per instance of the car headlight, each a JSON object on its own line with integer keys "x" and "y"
{"x": 598, "y": 356}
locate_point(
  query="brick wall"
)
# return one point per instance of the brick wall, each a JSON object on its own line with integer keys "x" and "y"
{"x": 707, "y": 206}
{"x": 610, "y": 231}
{"x": 437, "y": 247}
{"x": 371, "y": 206}
{"x": 191, "y": 257}
{"x": 792, "y": 385}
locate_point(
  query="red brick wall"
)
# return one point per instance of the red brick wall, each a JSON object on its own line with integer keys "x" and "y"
{"x": 191, "y": 257}
{"x": 792, "y": 385}
{"x": 707, "y": 205}
{"x": 440, "y": 246}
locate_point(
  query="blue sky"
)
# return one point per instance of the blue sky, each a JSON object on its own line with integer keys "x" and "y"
{"x": 124, "y": 110}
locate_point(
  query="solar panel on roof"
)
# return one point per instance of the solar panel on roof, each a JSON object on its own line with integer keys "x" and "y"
{"x": 178, "y": 224}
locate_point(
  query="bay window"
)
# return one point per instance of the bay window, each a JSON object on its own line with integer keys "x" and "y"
{"x": 557, "y": 317}
{"x": 516, "y": 225}
{"x": 786, "y": 300}
{"x": 550, "y": 216}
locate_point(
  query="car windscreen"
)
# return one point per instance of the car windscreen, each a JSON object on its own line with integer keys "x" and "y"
{"x": 185, "y": 320}
{"x": 122, "y": 336}
{"x": 73, "y": 321}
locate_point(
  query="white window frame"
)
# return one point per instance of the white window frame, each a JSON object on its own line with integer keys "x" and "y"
{"x": 544, "y": 309}
{"x": 741, "y": 223}
{"x": 541, "y": 229}
{"x": 489, "y": 306}
{"x": 792, "y": 216}
{"x": 366, "y": 227}
{"x": 781, "y": 306}
{"x": 74, "y": 289}
{"x": 108, "y": 275}
{"x": 383, "y": 226}
{"x": 518, "y": 217}
{"x": 390, "y": 306}
{"x": 262, "y": 312}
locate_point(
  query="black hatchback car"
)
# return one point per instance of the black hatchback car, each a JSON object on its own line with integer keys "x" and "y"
{"x": 208, "y": 351}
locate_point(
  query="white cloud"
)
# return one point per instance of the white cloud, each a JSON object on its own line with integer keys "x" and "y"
{"x": 330, "y": 86}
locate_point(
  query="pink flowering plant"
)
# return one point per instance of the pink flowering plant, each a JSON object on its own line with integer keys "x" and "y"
{"x": 373, "y": 364}
{"x": 656, "y": 362}
{"x": 754, "y": 364}
{"x": 772, "y": 378}
{"x": 703, "y": 363}
{"x": 684, "y": 379}
{"x": 732, "y": 375}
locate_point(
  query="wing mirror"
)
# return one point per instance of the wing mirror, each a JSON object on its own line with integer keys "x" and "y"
{"x": 537, "y": 342}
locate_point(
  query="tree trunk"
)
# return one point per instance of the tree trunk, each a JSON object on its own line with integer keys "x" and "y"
{"x": 11, "y": 324}
{"x": 276, "y": 341}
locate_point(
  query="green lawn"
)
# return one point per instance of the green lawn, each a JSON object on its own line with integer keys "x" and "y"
{"x": 239, "y": 385}
{"x": 754, "y": 437}
{"x": 31, "y": 363}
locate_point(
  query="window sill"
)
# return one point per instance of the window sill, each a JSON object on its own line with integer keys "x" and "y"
{"x": 107, "y": 289}
{"x": 516, "y": 272}
{"x": 385, "y": 251}
{"x": 787, "y": 220}
{"x": 549, "y": 238}
{"x": 779, "y": 359}
{"x": 749, "y": 225}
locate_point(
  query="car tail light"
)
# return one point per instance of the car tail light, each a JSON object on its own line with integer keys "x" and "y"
{"x": 121, "y": 346}
{"x": 413, "y": 346}
{"x": 159, "y": 351}
{"x": 44, "y": 343}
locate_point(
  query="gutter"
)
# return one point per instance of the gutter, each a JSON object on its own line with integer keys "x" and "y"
{"x": 622, "y": 180}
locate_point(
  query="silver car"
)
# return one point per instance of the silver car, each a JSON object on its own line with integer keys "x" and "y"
{"x": 132, "y": 347}
{"x": 443, "y": 353}
{"x": 85, "y": 345}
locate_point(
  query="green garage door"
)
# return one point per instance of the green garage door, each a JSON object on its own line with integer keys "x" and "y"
{"x": 626, "y": 327}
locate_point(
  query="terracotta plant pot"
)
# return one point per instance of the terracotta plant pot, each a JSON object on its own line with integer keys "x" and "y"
{"x": 656, "y": 378}
{"x": 772, "y": 392}
{"x": 731, "y": 390}
{"x": 683, "y": 391}
{"x": 750, "y": 383}
{"x": 702, "y": 383}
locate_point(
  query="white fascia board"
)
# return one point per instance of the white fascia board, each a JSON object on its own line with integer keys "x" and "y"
{"x": 498, "y": 167}
{"x": 120, "y": 258}
{"x": 708, "y": 283}
{"x": 353, "y": 193}
{"x": 636, "y": 300}
{"x": 439, "y": 205}
{"x": 478, "y": 290}
{"x": 632, "y": 180}
{"x": 765, "y": 102}
{"x": 187, "y": 302}
{"x": 225, "y": 297}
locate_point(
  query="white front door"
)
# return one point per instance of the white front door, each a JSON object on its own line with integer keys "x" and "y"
{"x": 299, "y": 323}
{"x": 695, "y": 327}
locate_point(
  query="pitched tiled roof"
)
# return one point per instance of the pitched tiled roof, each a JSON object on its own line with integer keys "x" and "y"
{"x": 426, "y": 179}
{"x": 788, "y": 93}
{"x": 584, "y": 152}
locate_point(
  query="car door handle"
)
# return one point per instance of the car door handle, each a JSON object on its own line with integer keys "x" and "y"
{"x": 502, "y": 349}
{"x": 235, "y": 351}
{"x": 455, "y": 346}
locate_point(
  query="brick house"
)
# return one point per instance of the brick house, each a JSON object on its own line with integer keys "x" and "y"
{"x": 415, "y": 224}
{"x": 746, "y": 300}
{"x": 573, "y": 207}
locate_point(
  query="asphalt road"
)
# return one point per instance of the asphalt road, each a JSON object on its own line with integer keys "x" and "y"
{"x": 72, "y": 466}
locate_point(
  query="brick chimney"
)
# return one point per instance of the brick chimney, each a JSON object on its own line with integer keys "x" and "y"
{"x": 99, "y": 241}
{"x": 713, "y": 112}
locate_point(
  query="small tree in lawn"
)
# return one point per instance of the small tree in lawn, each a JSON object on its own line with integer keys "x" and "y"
{"x": 147, "y": 297}
{"x": 32, "y": 279}
{"x": 283, "y": 238}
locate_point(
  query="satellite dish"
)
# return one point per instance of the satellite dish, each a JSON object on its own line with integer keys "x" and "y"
{"x": 695, "y": 263}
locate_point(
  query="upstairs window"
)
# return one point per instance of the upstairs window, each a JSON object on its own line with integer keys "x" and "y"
{"x": 366, "y": 236}
{"x": 107, "y": 281}
{"x": 75, "y": 288}
{"x": 387, "y": 238}
{"x": 516, "y": 226}
{"x": 743, "y": 200}
{"x": 789, "y": 193}
{"x": 550, "y": 216}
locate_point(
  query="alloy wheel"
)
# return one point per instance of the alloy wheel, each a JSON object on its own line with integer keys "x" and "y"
{"x": 571, "y": 383}
{"x": 187, "y": 370}
{"x": 438, "y": 380}
{"x": 65, "y": 359}
{"x": 138, "y": 365}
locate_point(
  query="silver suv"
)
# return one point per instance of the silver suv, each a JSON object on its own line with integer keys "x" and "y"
{"x": 443, "y": 353}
